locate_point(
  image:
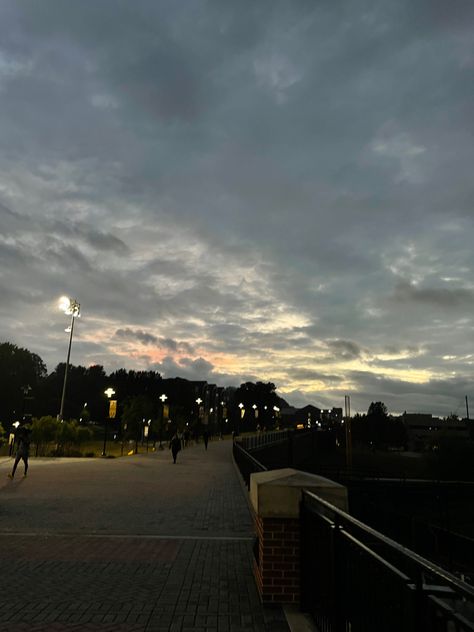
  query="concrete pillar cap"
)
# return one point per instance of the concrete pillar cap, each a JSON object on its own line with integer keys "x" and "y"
{"x": 277, "y": 493}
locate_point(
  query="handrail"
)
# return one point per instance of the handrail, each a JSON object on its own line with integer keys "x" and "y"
{"x": 428, "y": 566}
{"x": 342, "y": 558}
{"x": 262, "y": 439}
{"x": 259, "y": 466}
{"x": 246, "y": 463}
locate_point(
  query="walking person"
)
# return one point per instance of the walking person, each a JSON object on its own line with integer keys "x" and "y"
{"x": 175, "y": 446}
{"x": 205, "y": 436}
{"x": 22, "y": 450}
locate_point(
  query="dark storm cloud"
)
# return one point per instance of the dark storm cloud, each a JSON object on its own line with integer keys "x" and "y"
{"x": 149, "y": 339}
{"x": 344, "y": 349}
{"x": 455, "y": 298}
{"x": 96, "y": 239}
{"x": 197, "y": 369}
{"x": 142, "y": 336}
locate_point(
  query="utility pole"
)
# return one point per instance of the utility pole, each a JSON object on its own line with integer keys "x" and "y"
{"x": 347, "y": 406}
{"x": 467, "y": 409}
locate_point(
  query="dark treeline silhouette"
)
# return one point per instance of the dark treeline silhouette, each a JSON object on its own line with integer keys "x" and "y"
{"x": 377, "y": 429}
{"x": 28, "y": 391}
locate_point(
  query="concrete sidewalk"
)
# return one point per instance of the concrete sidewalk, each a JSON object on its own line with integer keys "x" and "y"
{"x": 133, "y": 544}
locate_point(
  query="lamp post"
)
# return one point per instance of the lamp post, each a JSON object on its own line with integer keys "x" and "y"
{"x": 163, "y": 399}
{"x": 197, "y": 428}
{"x": 255, "y": 415}
{"x": 146, "y": 430}
{"x": 347, "y": 406}
{"x": 223, "y": 414}
{"x": 109, "y": 392}
{"x": 241, "y": 416}
{"x": 26, "y": 390}
{"x": 276, "y": 410}
{"x": 71, "y": 307}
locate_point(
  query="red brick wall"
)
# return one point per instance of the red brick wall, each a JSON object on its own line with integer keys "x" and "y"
{"x": 277, "y": 572}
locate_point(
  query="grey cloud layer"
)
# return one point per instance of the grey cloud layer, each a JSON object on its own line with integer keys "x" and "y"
{"x": 279, "y": 183}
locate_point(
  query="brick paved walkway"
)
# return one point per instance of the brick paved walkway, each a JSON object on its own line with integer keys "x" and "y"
{"x": 129, "y": 545}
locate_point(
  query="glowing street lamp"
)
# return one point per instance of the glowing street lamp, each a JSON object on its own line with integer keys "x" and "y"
{"x": 72, "y": 308}
{"x": 239, "y": 417}
{"x": 199, "y": 402}
{"x": 163, "y": 399}
{"x": 276, "y": 410}
{"x": 222, "y": 413}
{"x": 109, "y": 392}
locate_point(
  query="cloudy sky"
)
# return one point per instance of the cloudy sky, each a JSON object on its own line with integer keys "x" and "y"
{"x": 272, "y": 190}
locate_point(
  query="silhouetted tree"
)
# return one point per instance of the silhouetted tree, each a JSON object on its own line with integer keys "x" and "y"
{"x": 135, "y": 410}
{"x": 19, "y": 369}
{"x": 262, "y": 394}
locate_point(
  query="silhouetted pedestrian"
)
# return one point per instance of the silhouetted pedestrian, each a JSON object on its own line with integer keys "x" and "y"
{"x": 22, "y": 450}
{"x": 205, "y": 436}
{"x": 175, "y": 446}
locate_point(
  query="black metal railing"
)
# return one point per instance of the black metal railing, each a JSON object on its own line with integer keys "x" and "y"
{"x": 246, "y": 463}
{"x": 354, "y": 578}
{"x": 262, "y": 439}
{"x": 282, "y": 448}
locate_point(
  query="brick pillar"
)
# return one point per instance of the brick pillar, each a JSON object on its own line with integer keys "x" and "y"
{"x": 275, "y": 497}
{"x": 277, "y": 570}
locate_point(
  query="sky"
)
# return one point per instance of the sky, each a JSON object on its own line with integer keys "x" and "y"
{"x": 268, "y": 190}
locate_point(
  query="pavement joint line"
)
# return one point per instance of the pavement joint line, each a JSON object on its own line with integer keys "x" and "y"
{"x": 128, "y": 536}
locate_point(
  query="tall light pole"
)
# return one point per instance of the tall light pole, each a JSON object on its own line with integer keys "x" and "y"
{"x": 71, "y": 307}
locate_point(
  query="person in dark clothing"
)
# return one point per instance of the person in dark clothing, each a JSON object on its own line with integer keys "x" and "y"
{"x": 22, "y": 451}
{"x": 175, "y": 446}
{"x": 205, "y": 436}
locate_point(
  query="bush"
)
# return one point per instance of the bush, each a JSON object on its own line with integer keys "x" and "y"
{"x": 67, "y": 435}
{"x": 44, "y": 432}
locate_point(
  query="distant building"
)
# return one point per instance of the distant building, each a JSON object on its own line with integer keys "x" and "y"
{"x": 287, "y": 417}
{"x": 424, "y": 430}
{"x": 309, "y": 416}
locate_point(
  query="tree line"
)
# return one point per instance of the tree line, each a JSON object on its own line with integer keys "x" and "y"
{"x": 30, "y": 392}
{"x": 377, "y": 429}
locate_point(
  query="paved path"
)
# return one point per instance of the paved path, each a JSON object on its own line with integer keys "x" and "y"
{"x": 129, "y": 545}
